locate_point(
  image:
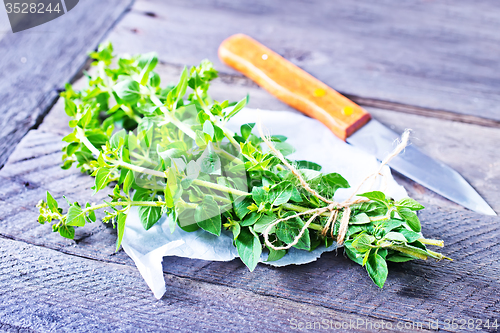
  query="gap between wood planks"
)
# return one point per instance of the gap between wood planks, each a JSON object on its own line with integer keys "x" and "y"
{"x": 427, "y": 287}
{"x": 388, "y": 105}
{"x": 223, "y": 295}
{"x": 32, "y": 89}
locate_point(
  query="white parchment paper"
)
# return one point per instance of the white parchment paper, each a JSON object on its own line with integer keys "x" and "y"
{"x": 313, "y": 142}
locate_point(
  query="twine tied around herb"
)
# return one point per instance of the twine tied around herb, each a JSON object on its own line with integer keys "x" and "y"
{"x": 333, "y": 207}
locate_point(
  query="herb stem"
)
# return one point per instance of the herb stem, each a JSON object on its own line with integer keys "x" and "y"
{"x": 125, "y": 203}
{"x": 222, "y": 199}
{"x": 438, "y": 256}
{"x": 408, "y": 251}
{"x": 301, "y": 209}
{"x": 315, "y": 226}
{"x": 435, "y": 242}
{"x": 379, "y": 218}
{"x": 94, "y": 150}
{"x": 228, "y": 156}
{"x": 138, "y": 168}
{"x": 280, "y": 167}
{"x": 140, "y": 157}
{"x": 228, "y": 133}
{"x": 130, "y": 113}
{"x": 219, "y": 187}
{"x": 180, "y": 125}
{"x": 80, "y": 134}
{"x": 196, "y": 181}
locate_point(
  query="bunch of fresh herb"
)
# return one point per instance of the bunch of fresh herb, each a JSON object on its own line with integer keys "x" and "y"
{"x": 167, "y": 151}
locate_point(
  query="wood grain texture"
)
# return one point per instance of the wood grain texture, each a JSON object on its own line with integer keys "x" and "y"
{"x": 46, "y": 291}
{"x": 35, "y": 63}
{"x": 80, "y": 287}
{"x": 468, "y": 288}
{"x": 442, "y": 55}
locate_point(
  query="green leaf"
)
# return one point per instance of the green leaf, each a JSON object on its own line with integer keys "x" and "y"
{"x": 208, "y": 128}
{"x": 308, "y": 165}
{"x": 207, "y": 215}
{"x": 285, "y": 148}
{"x": 249, "y": 248}
{"x": 186, "y": 221}
{"x": 250, "y": 219}
{"x": 363, "y": 242}
{"x": 375, "y": 195}
{"x": 209, "y": 161}
{"x": 280, "y": 193}
{"x": 278, "y": 138}
{"x": 127, "y": 182}
{"x": 200, "y": 140}
{"x": 85, "y": 120}
{"x": 275, "y": 255}
{"x": 172, "y": 220}
{"x": 69, "y": 107}
{"x": 391, "y": 224}
{"x": 240, "y": 207}
{"x": 71, "y": 148}
{"x": 114, "y": 141}
{"x": 102, "y": 178}
{"x": 154, "y": 79}
{"x": 395, "y": 236}
{"x": 331, "y": 182}
{"x": 361, "y": 218}
{"x": 147, "y": 62}
{"x": 71, "y": 137}
{"x": 75, "y": 217}
{"x": 181, "y": 87}
{"x": 236, "y": 230}
{"x": 264, "y": 221}
{"x": 246, "y": 129}
{"x": 219, "y": 134}
{"x": 377, "y": 269}
{"x": 365, "y": 258}
{"x": 352, "y": 253}
{"x": 259, "y": 195}
{"x": 411, "y": 218}
{"x": 409, "y": 203}
{"x": 237, "y": 108}
{"x": 52, "y": 203}
{"x": 67, "y": 231}
{"x": 410, "y": 236}
{"x": 289, "y": 229}
{"x": 149, "y": 216}
{"x": 128, "y": 91}
{"x": 120, "y": 224}
{"x": 296, "y": 197}
{"x": 91, "y": 214}
{"x": 142, "y": 195}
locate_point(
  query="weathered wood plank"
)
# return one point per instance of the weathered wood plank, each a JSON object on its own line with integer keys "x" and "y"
{"x": 467, "y": 288}
{"x": 36, "y": 62}
{"x": 414, "y": 292}
{"x": 437, "y": 55}
{"x": 46, "y": 291}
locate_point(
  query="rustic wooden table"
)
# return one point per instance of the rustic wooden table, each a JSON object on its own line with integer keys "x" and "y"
{"x": 430, "y": 65}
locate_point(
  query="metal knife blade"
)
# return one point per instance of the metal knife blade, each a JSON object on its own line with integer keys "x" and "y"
{"x": 378, "y": 140}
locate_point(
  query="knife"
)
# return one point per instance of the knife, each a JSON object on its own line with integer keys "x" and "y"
{"x": 344, "y": 118}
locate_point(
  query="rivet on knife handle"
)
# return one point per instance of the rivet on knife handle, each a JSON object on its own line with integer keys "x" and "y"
{"x": 293, "y": 85}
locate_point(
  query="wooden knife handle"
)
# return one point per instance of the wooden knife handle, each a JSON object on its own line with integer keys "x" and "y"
{"x": 293, "y": 85}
